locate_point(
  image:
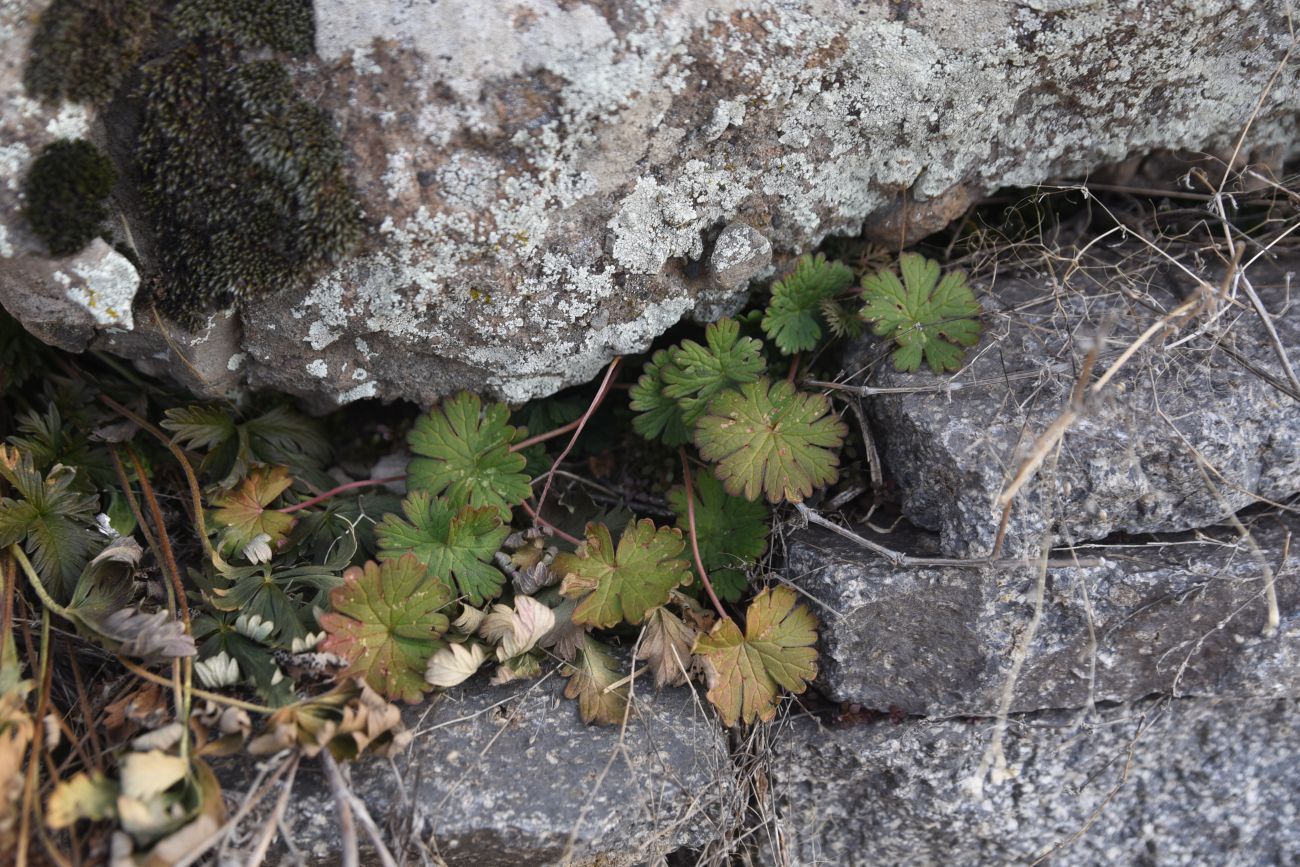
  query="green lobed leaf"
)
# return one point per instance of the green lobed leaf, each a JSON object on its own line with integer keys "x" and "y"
{"x": 658, "y": 415}
{"x": 746, "y": 672}
{"x": 731, "y": 532}
{"x": 50, "y": 519}
{"x": 451, "y": 543}
{"x": 699, "y": 373}
{"x": 768, "y": 438}
{"x": 793, "y": 315}
{"x": 463, "y": 453}
{"x": 623, "y": 584}
{"x": 929, "y": 318}
{"x": 245, "y": 512}
{"x": 387, "y": 623}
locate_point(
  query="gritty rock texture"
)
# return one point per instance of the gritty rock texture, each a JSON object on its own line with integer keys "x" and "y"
{"x": 545, "y": 181}
{"x": 1180, "y": 615}
{"x": 1173, "y": 784}
{"x": 1129, "y": 463}
{"x": 500, "y": 776}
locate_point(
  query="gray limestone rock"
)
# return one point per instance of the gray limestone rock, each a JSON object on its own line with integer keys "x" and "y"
{"x": 1184, "y": 435}
{"x": 1165, "y": 784}
{"x": 1180, "y": 615}
{"x": 502, "y": 776}
{"x": 541, "y": 178}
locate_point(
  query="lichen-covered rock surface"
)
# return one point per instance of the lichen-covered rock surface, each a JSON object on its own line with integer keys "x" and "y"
{"x": 502, "y": 776}
{"x": 1200, "y": 423}
{"x": 1176, "y": 615}
{"x": 544, "y": 181}
{"x": 1175, "y": 784}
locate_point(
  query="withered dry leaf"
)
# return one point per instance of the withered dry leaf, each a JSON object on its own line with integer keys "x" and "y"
{"x": 666, "y": 644}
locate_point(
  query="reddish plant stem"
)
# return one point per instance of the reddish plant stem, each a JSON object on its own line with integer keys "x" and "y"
{"x": 695, "y": 542}
{"x": 196, "y": 498}
{"x": 543, "y": 437}
{"x": 164, "y": 542}
{"x": 548, "y": 526}
{"x": 794, "y": 368}
{"x": 601, "y": 394}
{"x": 320, "y": 498}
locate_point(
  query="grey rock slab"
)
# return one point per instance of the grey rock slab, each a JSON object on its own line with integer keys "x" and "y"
{"x": 1183, "y": 436}
{"x": 1179, "y": 615}
{"x": 1165, "y": 784}
{"x": 542, "y": 180}
{"x": 509, "y": 775}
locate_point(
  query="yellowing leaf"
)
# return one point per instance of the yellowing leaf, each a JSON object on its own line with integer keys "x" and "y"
{"x": 926, "y": 316}
{"x": 590, "y": 675}
{"x": 463, "y": 452}
{"x": 145, "y": 775}
{"x": 454, "y": 664}
{"x": 666, "y": 645}
{"x": 244, "y": 512}
{"x": 386, "y": 624}
{"x": 768, "y": 438}
{"x": 746, "y": 672}
{"x": 623, "y": 584}
{"x": 85, "y": 796}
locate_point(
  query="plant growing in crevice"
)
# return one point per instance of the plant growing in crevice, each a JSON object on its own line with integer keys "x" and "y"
{"x": 929, "y": 318}
{"x": 265, "y": 584}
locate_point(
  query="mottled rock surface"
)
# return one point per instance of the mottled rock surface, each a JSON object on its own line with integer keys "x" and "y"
{"x": 1167, "y": 784}
{"x": 545, "y": 180}
{"x": 502, "y": 776}
{"x": 1182, "y": 615}
{"x": 1129, "y": 463}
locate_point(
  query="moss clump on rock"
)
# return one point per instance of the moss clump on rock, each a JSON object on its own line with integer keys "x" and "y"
{"x": 281, "y": 25}
{"x": 67, "y": 190}
{"x": 82, "y": 49}
{"x": 244, "y": 180}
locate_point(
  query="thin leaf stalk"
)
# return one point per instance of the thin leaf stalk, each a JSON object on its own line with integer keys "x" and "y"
{"x": 601, "y": 394}
{"x": 191, "y": 480}
{"x": 32, "y": 778}
{"x": 695, "y": 540}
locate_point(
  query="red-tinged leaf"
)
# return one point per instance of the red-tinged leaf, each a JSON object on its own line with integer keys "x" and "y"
{"x": 623, "y": 584}
{"x": 245, "y": 512}
{"x": 386, "y": 624}
{"x": 746, "y": 672}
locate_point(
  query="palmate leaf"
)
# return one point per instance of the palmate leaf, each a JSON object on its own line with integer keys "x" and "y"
{"x": 658, "y": 415}
{"x": 793, "y": 315}
{"x": 928, "y": 317}
{"x": 731, "y": 531}
{"x": 698, "y": 373}
{"x": 590, "y": 674}
{"x": 623, "y": 584}
{"x": 451, "y": 543}
{"x": 463, "y": 453}
{"x": 768, "y": 438}
{"x": 51, "y": 520}
{"x": 746, "y": 672}
{"x": 277, "y": 436}
{"x": 386, "y": 624}
{"x": 244, "y": 512}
